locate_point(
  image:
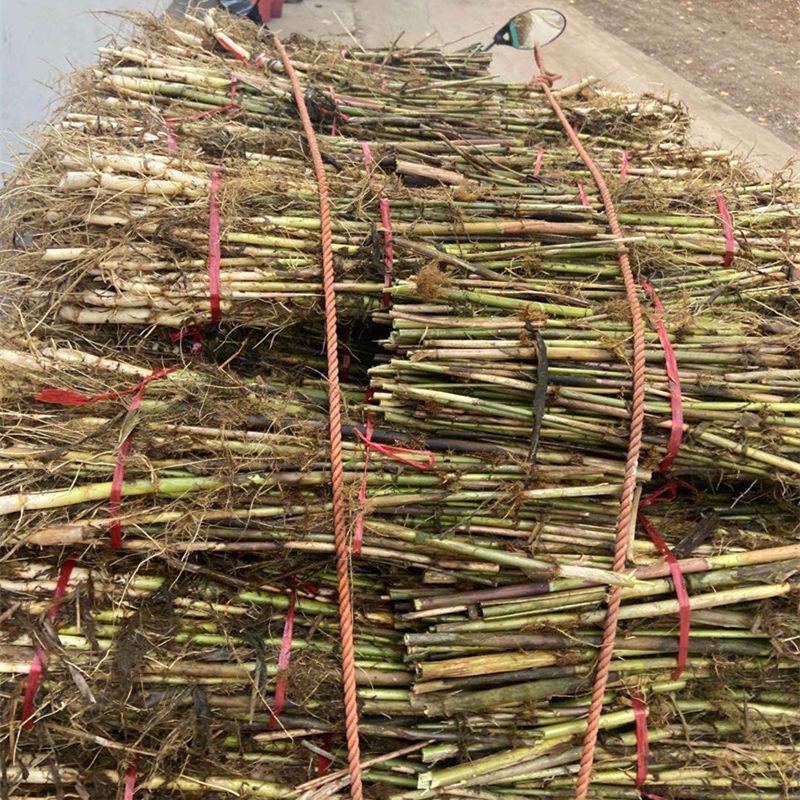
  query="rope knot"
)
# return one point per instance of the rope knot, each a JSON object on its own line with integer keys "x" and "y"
{"x": 545, "y": 78}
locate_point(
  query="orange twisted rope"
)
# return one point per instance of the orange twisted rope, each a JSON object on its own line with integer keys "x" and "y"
{"x": 337, "y": 469}
{"x": 545, "y": 80}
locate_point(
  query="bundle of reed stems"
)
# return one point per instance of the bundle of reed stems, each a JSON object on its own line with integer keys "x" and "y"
{"x": 483, "y": 470}
{"x": 142, "y": 198}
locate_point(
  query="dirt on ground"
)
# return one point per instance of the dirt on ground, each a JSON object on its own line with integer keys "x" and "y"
{"x": 746, "y": 52}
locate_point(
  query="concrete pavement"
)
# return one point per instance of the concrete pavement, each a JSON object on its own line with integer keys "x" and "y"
{"x": 42, "y": 41}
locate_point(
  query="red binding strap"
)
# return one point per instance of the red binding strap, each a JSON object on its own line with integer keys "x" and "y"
{"x": 396, "y": 453}
{"x": 537, "y": 165}
{"x": 39, "y": 661}
{"x": 345, "y": 361}
{"x": 684, "y": 607}
{"x": 388, "y": 250}
{"x": 284, "y": 659}
{"x": 390, "y": 451}
{"x": 193, "y": 332}
{"x": 335, "y": 114}
{"x": 115, "y": 497}
{"x": 388, "y": 233}
{"x": 130, "y": 779}
{"x": 368, "y": 160}
{"x": 63, "y": 397}
{"x": 66, "y": 398}
{"x": 582, "y": 194}
{"x": 172, "y": 139}
{"x": 727, "y": 230}
{"x": 233, "y": 105}
{"x": 623, "y": 167}
{"x": 667, "y": 492}
{"x": 323, "y": 762}
{"x": 358, "y": 524}
{"x": 673, "y": 378}
{"x": 642, "y": 740}
{"x": 214, "y": 256}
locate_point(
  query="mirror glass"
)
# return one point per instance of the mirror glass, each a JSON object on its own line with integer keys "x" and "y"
{"x": 538, "y": 25}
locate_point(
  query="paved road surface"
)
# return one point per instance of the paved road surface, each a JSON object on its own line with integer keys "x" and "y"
{"x": 749, "y": 56}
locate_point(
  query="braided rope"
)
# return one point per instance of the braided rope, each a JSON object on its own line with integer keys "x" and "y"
{"x": 626, "y": 508}
{"x": 335, "y": 425}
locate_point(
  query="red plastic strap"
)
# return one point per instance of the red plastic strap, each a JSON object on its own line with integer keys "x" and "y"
{"x": 118, "y": 478}
{"x": 66, "y": 398}
{"x": 537, "y": 165}
{"x": 130, "y": 779}
{"x": 367, "y": 151}
{"x": 39, "y": 661}
{"x": 358, "y": 525}
{"x": 623, "y": 168}
{"x": 666, "y": 492}
{"x": 233, "y": 105}
{"x": 335, "y": 114}
{"x": 323, "y": 762}
{"x": 193, "y": 332}
{"x": 284, "y": 659}
{"x": 388, "y": 233}
{"x": 582, "y": 192}
{"x": 307, "y": 587}
{"x": 214, "y": 255}
{"x": 368, "y": 160}
{"x": 115, "y": 497}
{"x": 346, "y": 361}
{"x": 388, "y": 249}
{"x": 390, "y": 451}
{"x": 684, "y": 608}
{"x": 642, "y": 740}
{"x": 394, "y": 452}
{"x": 673, "y": 377}
{"x": 727, "y": 230}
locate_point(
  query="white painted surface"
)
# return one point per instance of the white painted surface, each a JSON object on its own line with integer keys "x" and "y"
{"x": 40, "y": 42}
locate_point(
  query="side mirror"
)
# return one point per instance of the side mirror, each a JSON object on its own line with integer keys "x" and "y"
{"x": 528, "y": 28}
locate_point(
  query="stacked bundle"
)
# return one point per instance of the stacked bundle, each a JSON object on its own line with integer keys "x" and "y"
{"x": 485, "y": 438}
{"x": 115, "y": 208}
{"x": 249, "y": 455}
{"x": 464, "y": 357}
{"x": 214, "y": 684}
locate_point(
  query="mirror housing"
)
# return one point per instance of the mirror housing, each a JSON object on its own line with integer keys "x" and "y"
{"x": 528, "y": 28}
